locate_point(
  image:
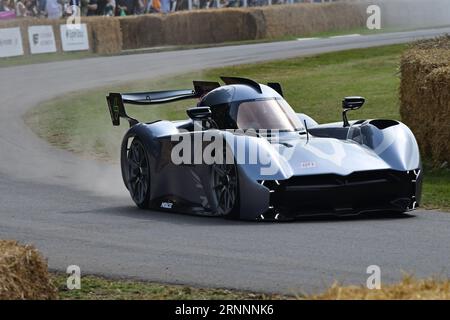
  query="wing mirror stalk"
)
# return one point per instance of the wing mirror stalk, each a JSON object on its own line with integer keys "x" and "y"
{"x": 351, "y": 103}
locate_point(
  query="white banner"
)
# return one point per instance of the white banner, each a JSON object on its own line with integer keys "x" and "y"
{"x": 10, "y": 42}
{"x": 74, "y": 38}
{"x": 42, "y": 39}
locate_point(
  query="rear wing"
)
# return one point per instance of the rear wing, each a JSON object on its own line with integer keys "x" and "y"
{"x": 116, "y": 101}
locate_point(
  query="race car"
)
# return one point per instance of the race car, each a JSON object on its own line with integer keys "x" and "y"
{"x": 268, "y": 162}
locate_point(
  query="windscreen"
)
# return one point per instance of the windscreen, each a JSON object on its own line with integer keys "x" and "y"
{"x": 270, "y": 114}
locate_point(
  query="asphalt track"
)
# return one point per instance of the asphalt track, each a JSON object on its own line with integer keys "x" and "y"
{"x": 76, "y": 211}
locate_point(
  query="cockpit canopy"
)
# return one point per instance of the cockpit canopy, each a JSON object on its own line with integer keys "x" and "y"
{"x": 243, "y": 107}
{"x": 270, "y": 114}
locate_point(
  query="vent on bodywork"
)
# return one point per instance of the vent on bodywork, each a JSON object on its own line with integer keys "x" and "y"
{"x": 335, "y": 194}
{"x": 333, "y": 180}
{"x": 383, "y": 124}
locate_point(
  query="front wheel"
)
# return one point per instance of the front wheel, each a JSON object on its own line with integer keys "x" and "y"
{"x": 224, "y": 181}
{"x": 138, "y": 174}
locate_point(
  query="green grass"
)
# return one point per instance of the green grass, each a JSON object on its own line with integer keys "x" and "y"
{"x": 313, "y": 85}
{"x": 436, "y": 188}
{"x": 98, "y": 288}
{"x": 44, "y": 57}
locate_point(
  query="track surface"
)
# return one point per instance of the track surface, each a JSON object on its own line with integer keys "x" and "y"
{"x": 77, "y": 211}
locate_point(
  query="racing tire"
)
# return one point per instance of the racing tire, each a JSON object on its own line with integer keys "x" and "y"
{"x": 225, "y": 186}
{"x": 138, "y": 167}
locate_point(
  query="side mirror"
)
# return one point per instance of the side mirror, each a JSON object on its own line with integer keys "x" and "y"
{"x": 199, "y": 113}
{"x": 351, "y": 103}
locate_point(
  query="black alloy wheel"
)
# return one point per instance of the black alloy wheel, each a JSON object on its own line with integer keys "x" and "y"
{"x": 138, "y": 174}
{"x": 225, "y": 188}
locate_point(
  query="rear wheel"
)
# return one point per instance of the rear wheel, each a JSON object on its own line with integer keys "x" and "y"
{"x": 138, "y": 174}
{"x": 224, "y": 182}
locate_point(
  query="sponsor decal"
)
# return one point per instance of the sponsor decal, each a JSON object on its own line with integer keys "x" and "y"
{"x": 166, "y": 205}
{"x": 308, "y": 164}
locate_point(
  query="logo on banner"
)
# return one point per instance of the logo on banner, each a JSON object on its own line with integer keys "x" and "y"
{"x": 74, "y": 39}
{"x": 42, "y": 39}
{"x": 10, "y": 42}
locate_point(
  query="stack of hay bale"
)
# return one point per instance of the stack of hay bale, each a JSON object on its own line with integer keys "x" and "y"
{"x": 425, "y": 96}
{"x": 105, "y": 35}
{"x": 111, "y": 35}
{"x": 189, "y": 27}
{"x": 222, "y": 25}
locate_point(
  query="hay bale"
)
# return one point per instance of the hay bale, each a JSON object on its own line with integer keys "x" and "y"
{"x": 409, "y": 288}
{"x": 306, "y": 19}
{"x": 105, "y": 35}
{"x": 142, "y": 31}
{"x": 209, "y": 26}
{"x": 425, "y": 96}
{"x": 23, "y": 273}
{"x": 257, "y": 22}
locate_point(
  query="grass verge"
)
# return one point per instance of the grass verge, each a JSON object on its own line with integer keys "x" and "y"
{"x": 98, "y": 288}
{"x": 313, "y": 85}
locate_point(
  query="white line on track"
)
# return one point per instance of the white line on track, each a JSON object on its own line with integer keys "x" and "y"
{"x": 306, "y": 39}
{"x": 346, "y": 36}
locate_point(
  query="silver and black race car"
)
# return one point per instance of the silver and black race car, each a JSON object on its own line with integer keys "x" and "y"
{"x": 244, "y": 153}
